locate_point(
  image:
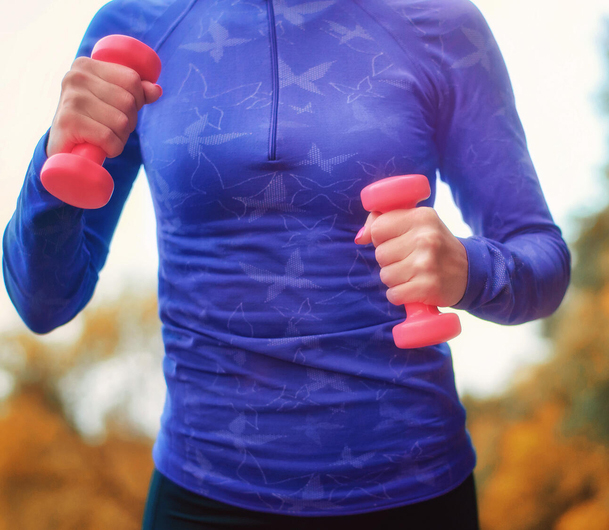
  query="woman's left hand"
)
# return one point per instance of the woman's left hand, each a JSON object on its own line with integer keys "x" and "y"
{"x": 420, "y": 259}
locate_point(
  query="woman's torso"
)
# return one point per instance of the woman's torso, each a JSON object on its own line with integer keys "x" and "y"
{"x": 285, "y": 391}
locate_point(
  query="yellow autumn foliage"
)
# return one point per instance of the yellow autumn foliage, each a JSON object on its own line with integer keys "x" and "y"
{"x": 50, "y": 478}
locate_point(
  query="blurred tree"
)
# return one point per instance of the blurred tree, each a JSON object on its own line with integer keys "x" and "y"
{"x": 50, "y": 476}
{"x": 544, "y": 446}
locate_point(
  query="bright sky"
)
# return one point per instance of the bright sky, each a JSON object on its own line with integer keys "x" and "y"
{"x": 553, "y": 54}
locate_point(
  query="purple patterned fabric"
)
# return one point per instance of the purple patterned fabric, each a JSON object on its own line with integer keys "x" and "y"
{"x": 285, "y": 392}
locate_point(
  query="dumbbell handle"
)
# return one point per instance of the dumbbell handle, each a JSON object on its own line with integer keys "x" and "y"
{"x": 90, "y": 151}
{"x": 424, "y": 325}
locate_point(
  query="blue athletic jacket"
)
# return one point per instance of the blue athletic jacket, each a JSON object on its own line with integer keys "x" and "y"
{"x": 285, "y": 392}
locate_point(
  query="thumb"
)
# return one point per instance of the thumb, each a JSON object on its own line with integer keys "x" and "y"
{"x": 152, "y": 92}
{"x": 364, "y": 237}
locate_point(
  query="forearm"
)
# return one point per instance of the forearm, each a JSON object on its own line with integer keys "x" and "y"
{"x": 48, "y": 267}
{"x": 521, "y": 280}
{"x": 53, "y": 252}
{"x": 45, "y": 293}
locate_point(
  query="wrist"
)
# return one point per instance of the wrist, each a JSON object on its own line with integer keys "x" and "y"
{"x": 476, "y": 272}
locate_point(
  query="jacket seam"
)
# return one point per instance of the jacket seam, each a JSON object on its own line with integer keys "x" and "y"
{"x": 275, "y": 82}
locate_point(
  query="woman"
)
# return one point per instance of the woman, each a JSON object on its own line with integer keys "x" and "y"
{"x": 288, "y": 404}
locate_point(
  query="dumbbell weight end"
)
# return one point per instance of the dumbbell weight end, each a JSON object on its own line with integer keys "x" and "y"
{"x": 78, "y": 178}
{"x": 425, "y": 326}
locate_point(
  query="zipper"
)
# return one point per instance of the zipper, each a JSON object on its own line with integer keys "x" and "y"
{"x": 275, "y": 82}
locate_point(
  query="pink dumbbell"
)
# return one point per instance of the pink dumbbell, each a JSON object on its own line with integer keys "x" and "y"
{"x": 424, "y": 324}
{"x": 78, "y": 178}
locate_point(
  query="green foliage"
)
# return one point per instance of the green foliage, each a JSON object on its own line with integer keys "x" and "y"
{"x": 592, "y": 251}
{"x": 589, "y": 413}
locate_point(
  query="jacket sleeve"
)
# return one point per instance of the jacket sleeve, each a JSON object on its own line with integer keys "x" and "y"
{"x": 53, "y": 252}
{"x": 519, "y": 263}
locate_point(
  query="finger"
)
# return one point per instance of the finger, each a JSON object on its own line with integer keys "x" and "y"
{"x": 116, "y": 97}
{"x": 396, "y": 274}
{"x": 78, "y": 128}
{"x": 116, "y": 85}
{"x": 122, "y": 99}
{"x": 103, "y": 136}
{"x": 398, "y": 222}
{"x": 415, "y": 291}
{"x": 363, "y": 237}
{"x": 122, "y": 76}
{"x": 394, "y": 250}
{"x": 152, "y": 92}
{"x": 87, "y": 104}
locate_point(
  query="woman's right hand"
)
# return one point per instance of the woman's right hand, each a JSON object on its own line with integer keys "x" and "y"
{"x": 98, "y": 105}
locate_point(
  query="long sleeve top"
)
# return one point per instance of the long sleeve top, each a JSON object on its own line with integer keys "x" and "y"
{"x": 285, "y": 391}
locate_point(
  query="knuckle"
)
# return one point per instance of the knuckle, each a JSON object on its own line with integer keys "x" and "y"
{"x": 426, "y": 264}
{"x": 395, "y": 296}
{"x": 427, "y": 239}
{"x": 384, "y": 276}
{"x": 128, "y": 103}
{"x": 66, "y": 126}
{"x": 133, "y": 83}
{"x": 63, "y": 121}
{"x": 424, "y": 212}
{"x": 106, "y": 135}
{"x": 379, "y": 254}
{"x": 123, "y": 124}
{"x": 65, "y": 81}
{"x": 114, "y": 149}
{"x": 73, "y": 78}
{"x": 74, "y": 101}
{"x": 108, "y": 139}
{"x": 435, "y": 239}
{"x": 133, "y": 78}
{"x": 375, "y": 231}
{"x": 432, "y": 241}
{"x": 66, "y": 117}
{"x": 424, "y": 217}
{"x": 81, "y": 63}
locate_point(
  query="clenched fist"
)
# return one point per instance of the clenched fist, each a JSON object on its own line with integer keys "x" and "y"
{"x": 98, "y": 105}
{"x": 420, "y": 259}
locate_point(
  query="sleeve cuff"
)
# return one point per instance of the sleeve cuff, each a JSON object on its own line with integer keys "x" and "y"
{"x": 477, "y": 273}
{"x": 34, "y": 200}
{"x": 40, "y": 154}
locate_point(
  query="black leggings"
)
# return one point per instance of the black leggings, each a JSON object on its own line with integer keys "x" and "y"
{"x": 171, "y": 507}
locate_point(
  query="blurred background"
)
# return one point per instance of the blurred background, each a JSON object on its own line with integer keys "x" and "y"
{"x": 80, "y": 407}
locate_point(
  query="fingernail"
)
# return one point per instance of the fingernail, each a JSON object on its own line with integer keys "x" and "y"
{"x": 159, "y": 86}
{"x": 359, "y": 234}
